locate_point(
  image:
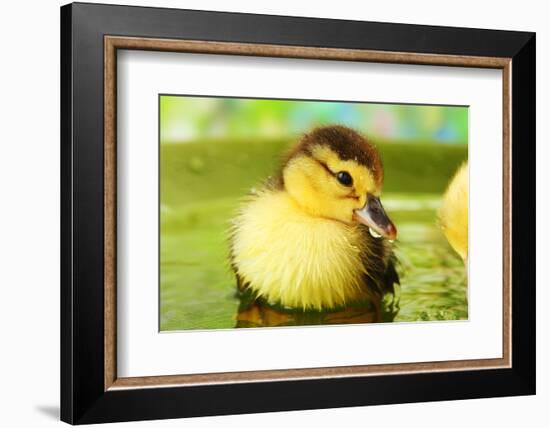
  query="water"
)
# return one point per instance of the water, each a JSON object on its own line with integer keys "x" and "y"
{"x": 197, "y": 288}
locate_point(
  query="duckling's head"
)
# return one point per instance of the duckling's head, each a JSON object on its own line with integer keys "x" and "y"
{"x": 335, "y": 173}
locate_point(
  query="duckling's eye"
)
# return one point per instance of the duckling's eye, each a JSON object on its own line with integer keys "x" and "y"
{"x": 344, "y": 178}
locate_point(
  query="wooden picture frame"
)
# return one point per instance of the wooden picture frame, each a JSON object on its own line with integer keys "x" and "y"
{"x": 91, "y": 391}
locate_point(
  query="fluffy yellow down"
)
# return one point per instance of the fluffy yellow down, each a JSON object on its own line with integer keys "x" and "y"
{"x": 295, "y": 259}
{"x": 454, "y": 212}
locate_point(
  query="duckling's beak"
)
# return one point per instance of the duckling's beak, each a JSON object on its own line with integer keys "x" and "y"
{"x": 374, "y": 216}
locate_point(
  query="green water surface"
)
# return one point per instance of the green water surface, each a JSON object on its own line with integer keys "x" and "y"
{"x": 200, "y": 187}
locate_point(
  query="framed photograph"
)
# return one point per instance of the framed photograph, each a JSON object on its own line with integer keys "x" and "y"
{"x": 265, "y": 213}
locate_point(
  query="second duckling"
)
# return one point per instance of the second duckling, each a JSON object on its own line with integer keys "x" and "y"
{"x": 453, "y": 214}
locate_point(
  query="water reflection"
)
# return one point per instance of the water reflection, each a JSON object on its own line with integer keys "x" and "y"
{"x": 258, "y": 313}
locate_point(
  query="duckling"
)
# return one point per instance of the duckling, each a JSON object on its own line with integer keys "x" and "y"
{"x": 316, "y": 237}
{"x": 453, "y": 213}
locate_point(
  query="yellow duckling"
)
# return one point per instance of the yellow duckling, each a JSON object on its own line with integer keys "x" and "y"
{"x": 316, "y": 237}
{"x": 453, "y": 214}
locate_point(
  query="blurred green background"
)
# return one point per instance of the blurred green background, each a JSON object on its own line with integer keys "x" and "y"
{"x": 214, "y": 150}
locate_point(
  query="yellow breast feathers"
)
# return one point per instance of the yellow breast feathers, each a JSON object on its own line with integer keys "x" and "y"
{"x": 294, "y": 259}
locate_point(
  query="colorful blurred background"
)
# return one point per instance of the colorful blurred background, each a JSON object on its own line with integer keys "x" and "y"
{"x": 214, "y": 150}
{"x": 192, "y": 118}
